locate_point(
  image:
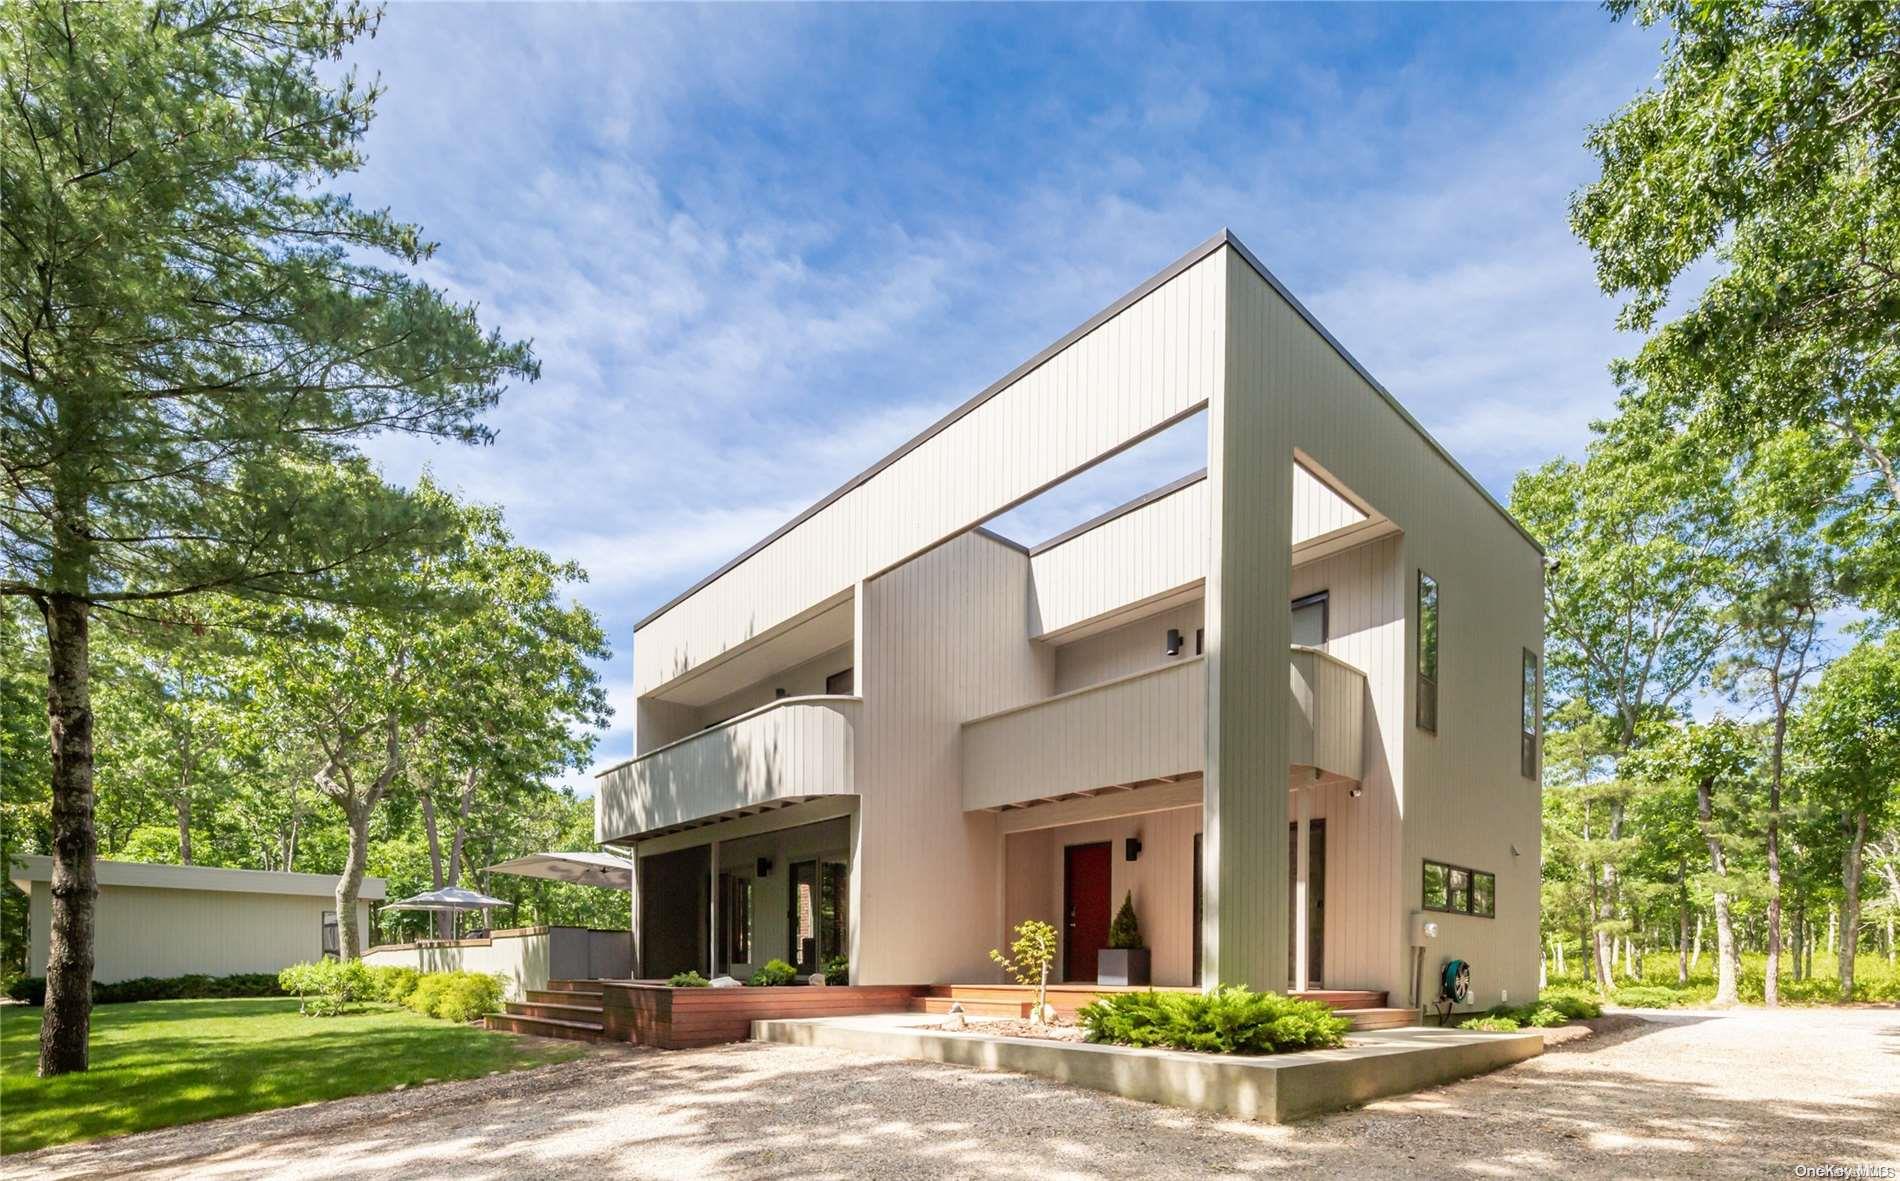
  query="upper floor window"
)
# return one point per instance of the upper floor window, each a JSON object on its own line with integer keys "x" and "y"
{"x": 1427, "y": 652}
{"x": 1309, "y": 620}
{"x": 838, "y": 684}
{"x": 1527, "y": 737}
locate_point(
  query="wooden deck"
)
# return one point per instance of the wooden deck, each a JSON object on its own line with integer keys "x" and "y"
{"x": 651, "y": 1013}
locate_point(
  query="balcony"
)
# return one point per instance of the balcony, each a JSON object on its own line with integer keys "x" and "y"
{"x": 793, "y": 749}
{"x": 1150, "y": 727}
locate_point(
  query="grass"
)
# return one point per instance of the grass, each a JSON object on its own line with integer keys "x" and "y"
{"x": 1874, "y": 979}
{"x": 156, "y": 1064}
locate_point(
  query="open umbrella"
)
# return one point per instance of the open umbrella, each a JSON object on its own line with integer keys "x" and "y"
{"x": 447, "y": 898}
{"x": 584, "y": 869}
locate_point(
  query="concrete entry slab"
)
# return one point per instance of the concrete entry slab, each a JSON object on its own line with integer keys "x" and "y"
{"x": 1275, "y": 1088}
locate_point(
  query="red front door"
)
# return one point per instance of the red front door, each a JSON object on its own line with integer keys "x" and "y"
{"x": 1084, "y": 908}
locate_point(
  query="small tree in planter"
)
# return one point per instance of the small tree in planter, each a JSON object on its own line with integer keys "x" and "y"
{"x": 1126, "y": 960}
{"x": 1029, "y": 959}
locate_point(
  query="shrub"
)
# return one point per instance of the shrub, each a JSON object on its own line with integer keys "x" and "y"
{"x": 837, "y": 970}
{"x": 1644, "y": 996}
{"x": 1229, "y": 1020}
{"x": 688, "y": 979}
{"x": 426, "y": 996}
{"x": 1571, "y": 1003}
{"x": 1491, "y": 1024}
{"x": 324, "y": 987}
{"x": 774, "y": 972}
{"x": 32, "y": 989}
{"x": 456, "y": 996}
{"x": 1124, "y": 933}
{"x": 1029, "y": 959}
{"x": 1546, "y": 1017}
{"x": 393, "y": 984}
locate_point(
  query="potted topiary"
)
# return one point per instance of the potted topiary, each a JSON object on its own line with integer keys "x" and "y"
{"x": 1124, "y": 960}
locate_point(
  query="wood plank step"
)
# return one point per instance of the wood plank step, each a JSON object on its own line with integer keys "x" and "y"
{"x": 564, "y": 996}
{"x": 1344, "y": 998}
{"x": 974, "y": 1008}
{"x": 556, "y": 1012}
{"x": 574, "y": 986}
{"x": 580, "y": 1031}
{"x": 1381, "y": 1018}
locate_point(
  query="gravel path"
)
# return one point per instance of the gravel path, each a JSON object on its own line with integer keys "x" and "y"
{"x": 1748, "y": 1093}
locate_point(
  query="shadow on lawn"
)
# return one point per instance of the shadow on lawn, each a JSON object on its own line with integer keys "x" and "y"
{"x": 751, "y": 1110}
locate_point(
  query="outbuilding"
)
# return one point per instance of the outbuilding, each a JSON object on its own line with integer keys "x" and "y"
{"x": 178, "y": 920}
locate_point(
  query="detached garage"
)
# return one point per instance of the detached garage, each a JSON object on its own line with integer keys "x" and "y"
{"x": 178, "y": 920}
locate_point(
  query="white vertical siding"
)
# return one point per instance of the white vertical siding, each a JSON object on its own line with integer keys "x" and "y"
{"x": 1150, "y": 365}
{"x": 944, "y": 641}
{"x": 1130, "y": 648}
{"x": 1149, "y": 551}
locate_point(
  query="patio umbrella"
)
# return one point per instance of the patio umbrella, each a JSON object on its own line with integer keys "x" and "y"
{"x": 584, "y": 869}
{"x": 447, "y": 898}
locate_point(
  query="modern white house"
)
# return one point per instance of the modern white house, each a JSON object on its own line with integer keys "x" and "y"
{"x": 1287, "y": 703}
{"x": 180, "y": 920}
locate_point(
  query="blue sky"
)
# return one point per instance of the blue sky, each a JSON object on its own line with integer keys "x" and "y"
{"x": 757, "y": 248}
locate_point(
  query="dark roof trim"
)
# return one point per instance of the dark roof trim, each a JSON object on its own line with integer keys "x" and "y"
{"x": 1015, "y": 375}
{"x": 1223, "y": 238}
{"x": 1121, "y": 510}
{"x": 1011, "y": 542}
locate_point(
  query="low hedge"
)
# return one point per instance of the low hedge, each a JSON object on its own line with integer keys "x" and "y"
{"x": 32, "y": 989}
{"x": 1229, "y": 1020}
{"x": 456, "y": 996}
{"x": 325, "y": 987}
{"x": 775, "y": 973}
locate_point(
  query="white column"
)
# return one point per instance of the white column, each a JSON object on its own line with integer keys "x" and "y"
{"x": 1304, "y": 862}
{"x": 712, "y": 906}
{"x": 633, "y": 907}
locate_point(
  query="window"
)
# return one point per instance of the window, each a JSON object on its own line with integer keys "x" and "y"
{"x": 1527, "y": 736}
{"x": 838, "y": 684}
{"x": 735, "y": 918}
{"x": 1309, "y": 620}
{"x": 1427, "y": 652}
{"x": 331, "y": 944}
{"x": 1460, "y": 891}
{"x": 1200, "y": 640}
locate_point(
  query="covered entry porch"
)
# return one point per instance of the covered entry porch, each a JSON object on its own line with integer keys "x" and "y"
{"x": 725, "y": 897}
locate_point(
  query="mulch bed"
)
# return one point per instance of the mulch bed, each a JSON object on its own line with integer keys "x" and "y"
{"x": 1592, "y": 1031}
{"x": 1061, "y": 1031}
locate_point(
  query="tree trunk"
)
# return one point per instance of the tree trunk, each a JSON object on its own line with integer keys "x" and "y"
{"x": 184, "y": 829}
{"x": 1682, "y": 943}
{"x": 444, "y": 921}
{"x": 1725, "y": 953}
{"x": 66, "y": 1020}
{"x": 1695, "y": 950}
{"x": 350, "y": 940}
{"x": 1850, "y": 906}
{"x": 1799, "y": 935}
{"x": 1771, "y": 983}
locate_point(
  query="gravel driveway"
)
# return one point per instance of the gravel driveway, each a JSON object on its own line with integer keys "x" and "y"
{"x": 1747, "y": 1093}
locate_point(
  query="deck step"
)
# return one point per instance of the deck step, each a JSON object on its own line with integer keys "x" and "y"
{"x": 554, "y": 1011}
{"x": 1344, "y": 998}
{"x": 565, "y": 996}
{"x": 973, "y": 1007}
{"x": 579, "y": 1031}
{"x": 1380, "y": 1018}
{"x": 592, "y": 986}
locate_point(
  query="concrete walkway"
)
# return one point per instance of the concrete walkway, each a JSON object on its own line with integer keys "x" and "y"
{"x": 1747, "y": 1094}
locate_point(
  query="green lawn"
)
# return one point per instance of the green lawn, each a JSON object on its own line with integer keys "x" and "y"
{"x": 160, "y": 1063}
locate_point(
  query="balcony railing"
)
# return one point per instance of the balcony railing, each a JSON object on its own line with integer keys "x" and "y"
{"x": 795, "y": 748}
{"x": 1152, "y": 726}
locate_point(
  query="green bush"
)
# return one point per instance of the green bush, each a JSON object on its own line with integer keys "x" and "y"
{"x": 1643, "y": 996}
{"x": 1491, "y": 1024}
{"x": 325, "y": 987}
{"x": 688, "y": 979}
{"x": 1572, "y": 1003}
{"x": 456, "y": 996}
{"x": 1229, "y": 1020}
{"x": 837, "y": 970}
{"x": 1546, "y": 1017}
{"x": 774, "y": 972}
{"x": 393, "y": 984}
{"x": 1124, "y": 933}
{"x": 32, "y": 989}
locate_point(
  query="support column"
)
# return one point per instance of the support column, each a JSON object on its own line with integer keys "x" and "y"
{"x": 633, "y": 908}
{"x": 1302, "y": 920}
{"x": 712, "y": 907}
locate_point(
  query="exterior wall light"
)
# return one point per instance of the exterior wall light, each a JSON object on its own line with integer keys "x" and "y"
{"x": 1131, "y": 848}
{"x": 1174, "y": 641}
{"x": 764, "y": 867}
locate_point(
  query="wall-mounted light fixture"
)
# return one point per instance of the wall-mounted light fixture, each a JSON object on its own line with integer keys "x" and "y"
{"x": 1174, "y": 641}
{"x": 1131, "y": 848}
{"x": 764, "y": 867}
{"x": 778, "y": 692}
{"x": 1356, "y": 792}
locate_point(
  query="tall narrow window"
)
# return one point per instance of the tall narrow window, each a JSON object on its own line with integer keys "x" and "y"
{"x": 331, "y": 945}
{"x": 735, "y": 918}
{"x": 838, "y": 684}
{"x": 1527, "y": 747}
{"x": 1427, "y": 652}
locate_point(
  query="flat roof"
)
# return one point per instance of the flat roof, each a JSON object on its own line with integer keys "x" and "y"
{"x": 1224, "y": 238}
{"x": 34, "y": 867}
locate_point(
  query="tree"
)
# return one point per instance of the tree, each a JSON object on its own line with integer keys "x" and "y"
{"x": 1029, "y": 959}
{"x": 193, "y": 336}
{"x": 1778, "y": 634}
{"x": 1643, "y": 549}
{"x": 1769, "y": 149}
{"x": 1848, "y": 734}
